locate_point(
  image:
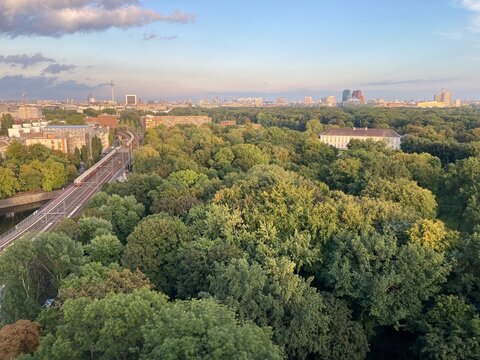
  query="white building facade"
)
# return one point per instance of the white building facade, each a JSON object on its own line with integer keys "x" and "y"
{"x": 340, "y": 138}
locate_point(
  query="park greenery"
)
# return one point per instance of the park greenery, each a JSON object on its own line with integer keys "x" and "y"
{"x": 245, "y": 243}
{"x": 34, "y": 167}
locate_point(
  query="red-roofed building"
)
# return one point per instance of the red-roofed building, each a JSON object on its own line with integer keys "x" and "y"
{"x": 340, "y": 138}
{"x": 110, "y": 121}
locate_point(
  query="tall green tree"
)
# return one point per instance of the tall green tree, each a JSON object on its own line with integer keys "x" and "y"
{"x": 9, "y": 183}
{"x": 153, "y": 246}
{"x": 92, "y": 328}
{"x": 276, "y": 297}
{"x": 451, "y": 330}
{"x": 97, "y": 148}
{"x": 123, "y": 213}
{"x": 204, "y": 329}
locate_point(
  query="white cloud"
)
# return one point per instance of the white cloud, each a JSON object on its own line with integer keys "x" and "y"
{"x": 24, "y": 60}
{"x": 474, "y": 7}
{"x": 59, "y": 17}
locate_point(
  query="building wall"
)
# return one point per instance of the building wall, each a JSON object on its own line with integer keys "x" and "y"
{"x": 432, "y": 104}
{"x": 77, "y": 136}
{"x": 52, "y": 143}
{"x": 341, "y": 142}
{"x": 150, "y": 122}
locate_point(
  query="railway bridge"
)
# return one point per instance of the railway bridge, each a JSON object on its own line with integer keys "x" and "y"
{"x": 74, "y": 197}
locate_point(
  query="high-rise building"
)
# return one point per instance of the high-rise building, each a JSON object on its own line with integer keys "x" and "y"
{"x": 281, "y": 101}
{"x": 346, "y": 95}
{"x": 330, "y": 101}
{"x": 307, "y": 100}
{"x": 358, "y": 94}
{"x": 444, "y": 97}
{"x": 131, "y": 100}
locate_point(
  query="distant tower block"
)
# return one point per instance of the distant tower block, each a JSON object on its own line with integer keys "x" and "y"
{"x": 112, "y": 85}
{"x": 131, "y": 100}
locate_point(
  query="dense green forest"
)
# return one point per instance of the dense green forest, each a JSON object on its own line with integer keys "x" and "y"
{"x": 243, "y": 243}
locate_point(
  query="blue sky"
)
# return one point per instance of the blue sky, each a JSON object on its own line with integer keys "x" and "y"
{"x": 201, "y": 48}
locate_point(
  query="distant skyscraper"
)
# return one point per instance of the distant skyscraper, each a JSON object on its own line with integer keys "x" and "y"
{"x": 347, "y": 95}
{"x": 281, "y": 101}
{"x": 308, "y": 100}
{"x": 131, "y": 100}
{"x": 445, "y": 97}
{"x": 330, "y": 101}
{"x": 357, "y": 94}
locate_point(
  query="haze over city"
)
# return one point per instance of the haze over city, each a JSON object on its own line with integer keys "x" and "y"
{"x": 192, "y": 49}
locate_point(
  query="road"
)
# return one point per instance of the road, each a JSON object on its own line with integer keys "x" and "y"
{"x": 70, "y": 201}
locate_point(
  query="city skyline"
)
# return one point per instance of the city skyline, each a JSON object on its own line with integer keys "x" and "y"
{"x": 186, "y": 49}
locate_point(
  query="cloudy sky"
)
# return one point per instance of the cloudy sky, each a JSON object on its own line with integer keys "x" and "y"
{"x": 394, "y": 49}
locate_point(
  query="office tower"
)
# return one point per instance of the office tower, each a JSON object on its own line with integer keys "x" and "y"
{"x": 347, "y": 95}
{"x": 357, "y": 94}
{"x": 131, "y": 100}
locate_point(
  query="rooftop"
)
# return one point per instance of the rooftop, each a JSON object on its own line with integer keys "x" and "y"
{"x": 387, "y": 133}
{"x": 67, "y": 126}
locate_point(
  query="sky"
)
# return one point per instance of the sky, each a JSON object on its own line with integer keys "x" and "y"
{"x": 191, "y": 49}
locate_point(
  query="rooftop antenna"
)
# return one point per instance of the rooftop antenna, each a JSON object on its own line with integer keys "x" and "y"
{"x": 112, "y": 85}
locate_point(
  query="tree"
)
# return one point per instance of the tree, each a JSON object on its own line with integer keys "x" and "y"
{"x": 91, "y": 227}
{"x": 451, "y": 330}
{"x": 95, "y": 281}
{"x": 70, "y": 228}
{"x": 248, "y": 155}
{"x": 204, "y": 329}
{"x": 19, "y": 338}
{"x": 58, "y": 255}
{"x": 105, "y": 249}
{"x": 123, "y": 213}
{"x": 276, "y": 297}
{"x": 138, "y": 185}
{"x": 153, "y": 246}
{"x": 23, "y": 282}
{"x": 77, "y": 156}
{"x": 406, "y": 193}
{"x": 9, "y": 184}
{"x": 465, "y": 277}
{"x": 223, "y": 158}
{"x": 197, "y": 260}
{"x": 31, "y": 176}
{"x": 84, "y": 154}
{"x": 97, "y": 148}
{"x": 347, "y": 338}
{"x": 314, "y": 126}
{"x": 32, "y": 272}
{"x": 462, "y": 179}
{"x": 111, "y": 137}
{"x": 54, "y": 175}
{"x": 432, "y": 234}
{"x": 7, "y": 122}
{"x": 389, "y": 281}
{"x": 92, "y": 328}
